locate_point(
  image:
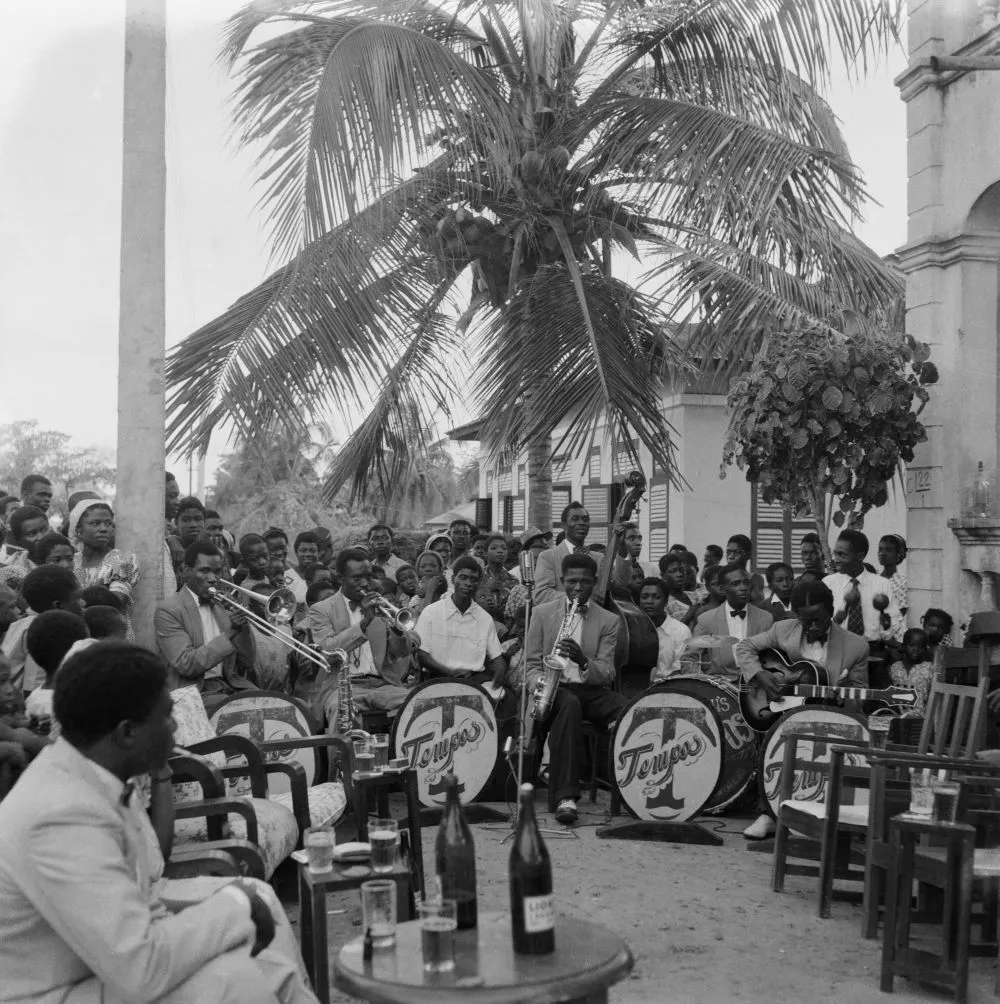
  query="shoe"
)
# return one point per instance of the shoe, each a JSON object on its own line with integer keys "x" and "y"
{"x": 566, "y": 812}
{"x": 760, "y": 829}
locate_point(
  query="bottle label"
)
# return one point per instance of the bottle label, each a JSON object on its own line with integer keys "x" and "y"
{"x": 539, "y": 913}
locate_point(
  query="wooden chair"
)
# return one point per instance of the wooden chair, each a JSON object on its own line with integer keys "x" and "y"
{"x": 953, "y": 728}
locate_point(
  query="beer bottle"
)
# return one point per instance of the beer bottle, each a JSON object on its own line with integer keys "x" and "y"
{"x": 531, "y": 907}
{"x": 455, "y": 857}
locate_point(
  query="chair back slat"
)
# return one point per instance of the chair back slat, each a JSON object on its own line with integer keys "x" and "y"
{"x": 954, "y": 723}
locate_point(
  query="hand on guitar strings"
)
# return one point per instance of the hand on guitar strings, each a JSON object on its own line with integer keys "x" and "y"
{"x": 770, "y": 682}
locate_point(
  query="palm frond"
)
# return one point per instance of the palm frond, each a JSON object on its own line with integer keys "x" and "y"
{"x": 343, "y": 104}
{"x": 543, "y": 351}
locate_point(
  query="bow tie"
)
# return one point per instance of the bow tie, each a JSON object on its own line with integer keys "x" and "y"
{"x": 738, "y": 613}
{"x": 820, "y": 640}
{"x": 203, "y": 602}
{"x": 127, "y": 792}
{"x": 353, "y": 606}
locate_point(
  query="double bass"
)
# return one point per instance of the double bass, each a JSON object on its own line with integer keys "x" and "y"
{"x": 638, "y": 643}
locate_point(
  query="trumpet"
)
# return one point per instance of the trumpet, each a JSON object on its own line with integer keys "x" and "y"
{"x": 276, "y": 604}
{"x": 399, "y": 618}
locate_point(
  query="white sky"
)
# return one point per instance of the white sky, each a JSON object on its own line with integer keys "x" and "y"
{"x": 60, "y": 176}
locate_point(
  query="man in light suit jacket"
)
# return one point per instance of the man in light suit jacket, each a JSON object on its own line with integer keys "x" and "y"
{"x": 814, "y": 636}
{"x": 736, "y": 618}
{"x": 548, "y": 566}
{"x": 202, "y": 643}
{"x": 378, "y": 657}
{"x": 588, "y": 643}
{"x": 79, "y": 921}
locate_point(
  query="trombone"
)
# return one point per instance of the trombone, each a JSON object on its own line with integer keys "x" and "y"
{"x": 280, "y": 606}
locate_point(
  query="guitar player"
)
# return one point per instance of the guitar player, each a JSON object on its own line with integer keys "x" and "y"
{"x": 811, "y": 635}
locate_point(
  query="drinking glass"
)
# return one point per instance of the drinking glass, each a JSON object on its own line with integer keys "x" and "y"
{"x": 921, "y": 792}
{"x": 383, "y": 835}
{"x": 438, "y": 921}
{"x": 380, "y": 747}
{"x": 364, "y": 757}
{"x": 378, "y": 910}
{"x": 878, "y": 731}
{"x": 319, "y": 843}
{"x": 945, "y": 801}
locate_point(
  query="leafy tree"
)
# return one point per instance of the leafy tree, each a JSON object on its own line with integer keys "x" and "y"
{"x": 818, "y": 419}
{"x": 421, "y": 161}
{"x": 27, "y": 449}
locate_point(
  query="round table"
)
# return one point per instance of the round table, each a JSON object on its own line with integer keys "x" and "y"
{"x": 587, "y": 960}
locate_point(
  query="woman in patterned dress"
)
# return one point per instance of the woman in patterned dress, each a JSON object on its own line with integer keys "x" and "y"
{"x": 891, "y": 554}
{"x": 97, "y": 562}
{"x": 496, "y": 583}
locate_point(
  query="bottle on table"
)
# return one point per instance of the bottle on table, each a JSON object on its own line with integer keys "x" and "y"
{"x": 455, "y": 857}
{"x": 531, "y": 906}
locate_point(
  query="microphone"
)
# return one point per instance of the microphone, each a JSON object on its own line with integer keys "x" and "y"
{"x": 526, "y": 559}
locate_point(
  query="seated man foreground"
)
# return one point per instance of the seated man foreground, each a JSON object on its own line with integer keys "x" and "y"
{"x": 80, "y": 919}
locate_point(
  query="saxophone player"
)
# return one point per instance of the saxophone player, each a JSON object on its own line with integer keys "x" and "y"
{"x": 584, "y": 634}
{"x": 378, "y": 657}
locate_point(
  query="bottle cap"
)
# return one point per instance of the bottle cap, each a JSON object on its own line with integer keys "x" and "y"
{"x": 527, "y": 789}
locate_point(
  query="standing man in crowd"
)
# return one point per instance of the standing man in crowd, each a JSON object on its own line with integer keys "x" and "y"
{"x": 36, "y": 490}
{"x": 713, "y": 556}
{"x": 588, "y": 642}
{"x": 737, "y": 618}
{"x": 380, "y": 541}
{"x": 378, "y": 657}
{"x": 80, "y": 921}
{"x": 739, "y": 551}
{"x": 460, "y": 532}
{"x": 575, "y": 522}
{"x": 202, "y": 643}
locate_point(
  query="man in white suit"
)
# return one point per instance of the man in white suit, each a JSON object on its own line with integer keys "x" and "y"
{"x": 79, "y": 922}
{"x": 548, "y": 566}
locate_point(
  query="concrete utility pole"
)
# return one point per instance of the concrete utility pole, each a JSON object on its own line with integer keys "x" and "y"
{"x": 142, "y": 306}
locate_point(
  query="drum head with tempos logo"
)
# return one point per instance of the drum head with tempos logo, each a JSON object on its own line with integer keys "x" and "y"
{"x": 666, "y": 755}
{"x": 808, "y": 786}
{"x": 447, "y": 726}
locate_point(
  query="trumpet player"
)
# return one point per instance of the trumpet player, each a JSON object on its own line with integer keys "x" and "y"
{"x": 584, "y": 635}
{"x": 378, "y": 656}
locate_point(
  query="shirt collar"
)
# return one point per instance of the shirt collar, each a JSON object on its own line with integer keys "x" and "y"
{"x": 453, "y": 611}
{"x": 113, "y": 786}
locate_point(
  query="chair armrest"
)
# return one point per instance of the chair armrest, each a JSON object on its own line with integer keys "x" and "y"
{"x": 212, "y": 808}
{"x": 892, "y": 758}
{"x": 237, "y": 857}
{"x": 240, "y": 746}
{"x": 194, "y": 768}
{"x": 345, "y": 748}
{"x": 300, "y": 794}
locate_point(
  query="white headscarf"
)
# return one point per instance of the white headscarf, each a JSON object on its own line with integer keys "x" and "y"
{"x": 77, "y": 514}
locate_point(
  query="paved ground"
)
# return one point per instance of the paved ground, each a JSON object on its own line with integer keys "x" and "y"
{"x": 702, "y": 922}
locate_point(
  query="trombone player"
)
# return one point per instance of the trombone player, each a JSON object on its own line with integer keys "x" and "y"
{"x": 584, "y": 635}
{"x": 203, "y": 643}
{"x": 379, "y": 646}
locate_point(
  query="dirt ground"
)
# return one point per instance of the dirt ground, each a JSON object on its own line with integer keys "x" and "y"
{"x": 702, "y": 922}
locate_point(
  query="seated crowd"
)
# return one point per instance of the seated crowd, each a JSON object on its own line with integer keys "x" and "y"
{"x": 66, "y": 601}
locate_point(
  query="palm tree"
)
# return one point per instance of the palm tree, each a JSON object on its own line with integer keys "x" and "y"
{"x": 492, "y": 162}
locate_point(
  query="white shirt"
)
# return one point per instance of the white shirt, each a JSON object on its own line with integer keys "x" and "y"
{"x": 210, "y": 629}
{"x": 462, "y": 643}
{"x": 391, "y": 565}
{"x": 25, "y": 673}
{"x": 572, "y": 673}
{"x": 737, "y": 625}
{"x": 816, "y": 651}
{"x": 359, "y": 659}
{"x": 869, "y": 585}
{"x": 672, "y": 635}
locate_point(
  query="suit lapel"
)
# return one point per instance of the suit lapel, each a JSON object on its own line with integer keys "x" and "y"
{"x": 191, "y": 616}
{"x": 835, "y": 655}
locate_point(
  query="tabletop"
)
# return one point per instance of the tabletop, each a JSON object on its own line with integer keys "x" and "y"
{"x": 587, "y": 960}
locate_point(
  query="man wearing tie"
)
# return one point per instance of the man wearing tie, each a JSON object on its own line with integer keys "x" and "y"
{"x": 854, "y": 589}
{"x": 735, "y": 619}
{"x": 548, "y": 568}
{"x": 202, "y": 643}
{"x": 812, "y": 635}
{"x": 587, "y": 638}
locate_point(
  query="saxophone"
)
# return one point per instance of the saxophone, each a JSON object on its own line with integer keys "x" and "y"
{"x": 555, "y": 666}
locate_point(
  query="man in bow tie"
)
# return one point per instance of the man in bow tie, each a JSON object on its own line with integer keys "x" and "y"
{"x": 812, "y": 635}
{"x": 202, "y": 642}
{"x": 548, "y": 568}
{"x": 736, "y": 618}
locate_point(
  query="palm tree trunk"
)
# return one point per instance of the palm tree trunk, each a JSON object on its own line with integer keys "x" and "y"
{"x": 539, "y": 474}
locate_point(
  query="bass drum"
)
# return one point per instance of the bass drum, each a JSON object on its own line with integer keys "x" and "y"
{"x": 740, "y": 744}
{"x": 447, "y": 726}
{"x": 666, "y": 754}
{"x": 818, "y": 720}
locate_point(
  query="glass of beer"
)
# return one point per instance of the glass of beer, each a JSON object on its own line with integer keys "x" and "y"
{"x": 921, "y": 793}
{"x": 364, "y": 757}
{"x": 383, "y": 835}
{"x": 438, "y": 921}
{"x": 319, "y": 842}
{"x": 945, "y": 806}
{"x": 378, "y": 910}
{"x": 878, "y": 731}
{"x": 380, "y": 747}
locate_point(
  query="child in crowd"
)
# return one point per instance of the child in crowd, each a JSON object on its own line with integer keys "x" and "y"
{"x": 106, "y": 623}
{"x": 938, "y": 624}
{"x": 18, "y": 743}
{"x": 673, "y": 571}
{"x": 780, "y": 581}
{"x": 50, "y": 638}
{"x": 407, "y": 584}
{"x": 319, "y": 591}
{"x": 101, "y": 596}
{"x": 916, "y": 668}
{"x": 712, "y": 578}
